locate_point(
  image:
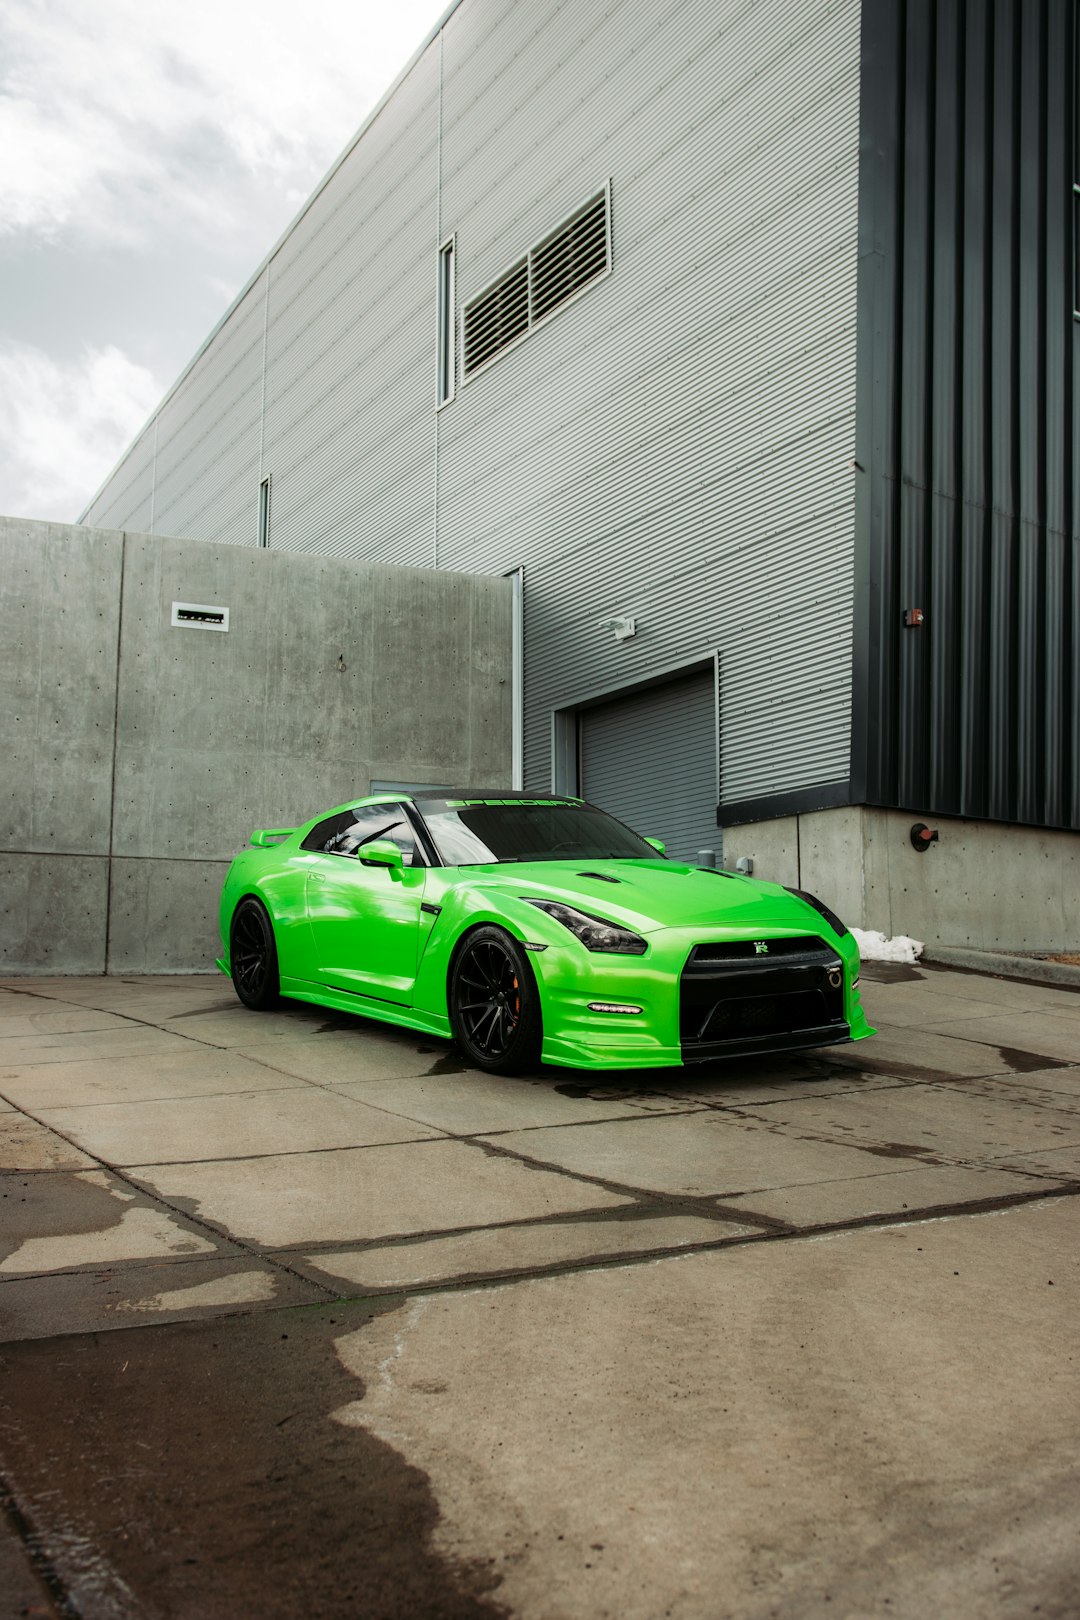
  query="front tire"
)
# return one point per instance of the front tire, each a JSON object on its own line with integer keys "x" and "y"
{"x": 494, "y": 1003}
{"x": 253, "y": 956}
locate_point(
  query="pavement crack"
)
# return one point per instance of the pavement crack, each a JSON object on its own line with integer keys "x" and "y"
{"x": 218, "y": 1235}
{"x": 776, "y": 1233}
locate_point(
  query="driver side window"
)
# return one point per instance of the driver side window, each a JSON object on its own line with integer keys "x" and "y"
{"x": 346, "y": 833}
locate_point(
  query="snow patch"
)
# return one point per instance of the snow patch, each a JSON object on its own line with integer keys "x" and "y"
{"x": 874, "y": 947}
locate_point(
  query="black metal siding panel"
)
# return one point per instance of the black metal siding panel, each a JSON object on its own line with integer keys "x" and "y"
{"x": 967, "y": 420}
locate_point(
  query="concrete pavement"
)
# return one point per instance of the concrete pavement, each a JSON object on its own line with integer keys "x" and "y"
{"x": 300, "y": 1315}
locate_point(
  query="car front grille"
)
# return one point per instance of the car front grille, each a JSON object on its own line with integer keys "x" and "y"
{"x": 735, "y": 1000}
{"x": 737, "y": 950}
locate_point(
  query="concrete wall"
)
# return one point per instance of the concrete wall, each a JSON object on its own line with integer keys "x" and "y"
{"x": 983, "y": 884}
{"x": 139, "y": 757}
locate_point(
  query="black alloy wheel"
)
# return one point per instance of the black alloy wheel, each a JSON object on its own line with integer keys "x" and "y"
{"x": 494, "y": 1004}
{"x": 253, "y": 956}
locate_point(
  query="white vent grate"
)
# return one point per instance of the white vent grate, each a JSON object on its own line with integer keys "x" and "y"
{"x": 571, "y": 257}
{"x": 198, "y": 616}
{"x": 576, "y": 253}
{"x": 497, "y": 317}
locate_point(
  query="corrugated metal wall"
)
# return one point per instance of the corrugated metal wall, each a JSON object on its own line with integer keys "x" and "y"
{"x": 675, "y": 444}
{"x": 127, "y": 499}
{"x": 208, "y": 436}
{"x": 968, "y": 418}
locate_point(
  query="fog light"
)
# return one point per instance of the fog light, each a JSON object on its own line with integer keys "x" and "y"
{"x": 612, "y": 1007}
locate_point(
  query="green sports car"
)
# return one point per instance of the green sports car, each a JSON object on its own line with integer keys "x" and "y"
{"x": 533, "y": 930}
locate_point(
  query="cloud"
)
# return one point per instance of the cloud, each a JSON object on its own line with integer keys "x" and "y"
{"x": 124, "y": 116}
{"x": 63, "y": 426}
{"x": 151, "y": 152}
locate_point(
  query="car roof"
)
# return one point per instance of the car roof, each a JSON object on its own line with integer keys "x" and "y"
{"x": 488, "y": 796}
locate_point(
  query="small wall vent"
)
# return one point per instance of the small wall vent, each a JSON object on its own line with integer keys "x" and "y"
{"x": 569, "y": 259}
{"x": 198, "y": 616}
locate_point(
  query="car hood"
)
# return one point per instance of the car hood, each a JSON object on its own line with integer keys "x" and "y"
{"x": 647, "y": 895}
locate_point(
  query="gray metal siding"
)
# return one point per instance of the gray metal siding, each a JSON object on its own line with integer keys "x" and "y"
{"x": 127, "y": 499}
{"x": 350, "y": 381}
{"x": 650, "y": 759}
{"x": 208, "y": 437}
{"x": 675, "y": 443}
{"x": 968, "y": 412}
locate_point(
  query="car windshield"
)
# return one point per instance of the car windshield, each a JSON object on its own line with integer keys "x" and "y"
{"x": 482, "y": 832}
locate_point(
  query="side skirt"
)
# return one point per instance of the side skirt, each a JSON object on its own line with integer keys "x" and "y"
{"x": 387, "y": 1012}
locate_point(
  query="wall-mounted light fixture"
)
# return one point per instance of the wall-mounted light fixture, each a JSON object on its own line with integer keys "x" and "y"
{"x": 623, "y": 625}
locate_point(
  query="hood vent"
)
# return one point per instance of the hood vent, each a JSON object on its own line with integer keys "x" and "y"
{"x": 601, "y": 877}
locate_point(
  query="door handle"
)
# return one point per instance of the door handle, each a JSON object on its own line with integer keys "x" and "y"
{"x": 315, "y": 877}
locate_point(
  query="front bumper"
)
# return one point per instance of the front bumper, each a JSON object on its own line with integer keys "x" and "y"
{"x": 699, "y": 1003}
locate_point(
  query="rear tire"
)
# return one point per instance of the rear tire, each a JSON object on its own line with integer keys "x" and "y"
{"x": 494, "y": 1003}
{"x": 253, "y": 956}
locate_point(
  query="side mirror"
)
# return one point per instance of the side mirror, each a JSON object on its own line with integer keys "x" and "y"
{"x": 657, "y": 844}
{"x": 381, "y": 852}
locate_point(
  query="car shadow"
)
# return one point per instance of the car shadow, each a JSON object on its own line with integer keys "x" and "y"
{"x": 710, "y": 1081}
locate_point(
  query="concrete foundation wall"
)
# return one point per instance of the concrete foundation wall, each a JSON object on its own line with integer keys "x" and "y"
{"x": 138, "y": 757}
{"x": 983, "y": 884}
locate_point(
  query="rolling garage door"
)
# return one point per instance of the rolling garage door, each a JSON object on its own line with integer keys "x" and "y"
{"x": 650, "y": 759}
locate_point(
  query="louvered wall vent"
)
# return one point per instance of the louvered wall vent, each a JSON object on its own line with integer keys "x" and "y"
{"x": 576, "y": 253}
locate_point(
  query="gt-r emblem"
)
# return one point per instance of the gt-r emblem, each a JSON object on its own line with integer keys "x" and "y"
{"x": 761, "y": 947}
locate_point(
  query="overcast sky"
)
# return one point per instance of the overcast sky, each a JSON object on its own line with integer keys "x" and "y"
{"x": 151, "y": 153}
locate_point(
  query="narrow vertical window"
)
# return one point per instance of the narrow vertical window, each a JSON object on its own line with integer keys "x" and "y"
{"x": 264, "y": 511}
{"x": 446, "y": 366}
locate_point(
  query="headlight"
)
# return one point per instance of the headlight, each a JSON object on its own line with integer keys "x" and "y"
{"x": 819, "y": 905}
{"x": 594, "y": 933}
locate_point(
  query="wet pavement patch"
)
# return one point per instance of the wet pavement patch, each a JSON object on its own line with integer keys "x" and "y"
{"x": 228, "y": 1005}
{"x": 1029, "y": 1062}
{"x": 196, "y": 1470}
{"x": 450, "y": 1062}
{"x": 110, "y": 1297}
{"x": 891, "y": 972}
{"x": 35, "y": 1204}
